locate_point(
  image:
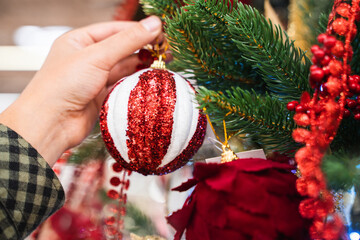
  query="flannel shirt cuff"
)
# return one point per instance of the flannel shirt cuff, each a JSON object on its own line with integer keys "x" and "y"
{"x": 29, "y": 189}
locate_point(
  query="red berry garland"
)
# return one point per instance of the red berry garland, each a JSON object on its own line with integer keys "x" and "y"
{"x": 322, "y": 114}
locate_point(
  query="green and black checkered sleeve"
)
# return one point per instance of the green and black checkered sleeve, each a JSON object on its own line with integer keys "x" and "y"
{"x": 29, "y": 189}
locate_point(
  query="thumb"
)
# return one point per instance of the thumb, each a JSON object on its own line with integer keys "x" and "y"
{"x": 105, "y": 54}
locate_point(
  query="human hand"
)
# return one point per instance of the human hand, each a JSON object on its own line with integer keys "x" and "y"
{"x": 59, "y": 107}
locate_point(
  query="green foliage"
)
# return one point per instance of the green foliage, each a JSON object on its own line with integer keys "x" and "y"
{"x": 283, "y": 66}
{"x": 341, "y": 170}
{"x": 161, "y": 8}
{"x": 203, "y": 46}
{"x": 91, "y": 148}
{"x": 137, "y": 222}
{"x": 323, "y": 21}
{"x": 263, "y": 118}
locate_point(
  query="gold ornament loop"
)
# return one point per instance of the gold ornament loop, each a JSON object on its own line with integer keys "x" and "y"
{"x": 227, "y": 155}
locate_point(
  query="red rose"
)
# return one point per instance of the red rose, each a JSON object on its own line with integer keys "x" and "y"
{"x": 244, "y": 199}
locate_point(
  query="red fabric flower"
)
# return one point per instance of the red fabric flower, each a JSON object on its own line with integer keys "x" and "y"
{"x": 244, "y": 199}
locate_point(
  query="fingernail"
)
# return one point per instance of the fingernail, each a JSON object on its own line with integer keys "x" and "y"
{"x": 151, "y": 23}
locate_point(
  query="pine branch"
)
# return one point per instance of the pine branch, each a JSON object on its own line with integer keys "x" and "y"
{"x": 283, "y": 67}
{"x": 137, "y": 222}
{"x": 161, "y": 8}
{"x": 263, "y": 118}
{"x": 201, "y": 42}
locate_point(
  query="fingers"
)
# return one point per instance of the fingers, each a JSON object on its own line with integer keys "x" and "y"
{"x": 105, "y": 54}
{"x": 101, "y": 31}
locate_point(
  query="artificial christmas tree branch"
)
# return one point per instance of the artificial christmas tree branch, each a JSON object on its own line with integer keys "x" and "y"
{"x": 263, "y": 118}
{"x": 283, "y": 67}
{"x": 161, "y": 8}
{"x": 206, "y": 47}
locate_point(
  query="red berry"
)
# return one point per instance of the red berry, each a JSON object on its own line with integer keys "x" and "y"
{"x": 329, "y": 41}
{"x": 113, "y": 194}
{"x": 347, "y": 113}
{"x": 357, "y": 116}
{"x": 117, "y": 167}
{"x": 353, "y": 87}
{"x": 336, "y": 68}
{"x": 352, "y": 80}
{"x": 338, "y": 50}
{"x": 321, "y": 37}
{"x": 315, "y": 48}
{"x": 341, "y": 26}
{"x": 299, "y": 108}
{"x": 319, "y": 54}
{"x": 326, "y": 70}
{"x": 115, "y": 181}
{"x": 356, "y": 78}
{"x": 325, "y": 61}
{"x": 291, "y": 105}
{"x": 343, "y": 10}
{"x": 351, "y": 103}
{"x": 317, "y": 75}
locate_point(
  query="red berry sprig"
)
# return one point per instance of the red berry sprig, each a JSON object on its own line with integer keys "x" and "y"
{"x": 321, "y": 114}
{"x": 114, "y": 223}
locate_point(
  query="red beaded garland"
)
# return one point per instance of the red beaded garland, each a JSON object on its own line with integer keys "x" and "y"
{"x": 322, "y": 114}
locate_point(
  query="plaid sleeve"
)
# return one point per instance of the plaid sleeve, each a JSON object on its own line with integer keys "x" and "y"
{"x": 29, "y": 189}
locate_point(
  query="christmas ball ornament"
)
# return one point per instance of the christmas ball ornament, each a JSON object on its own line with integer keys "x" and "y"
{"x": 151, "y": 123}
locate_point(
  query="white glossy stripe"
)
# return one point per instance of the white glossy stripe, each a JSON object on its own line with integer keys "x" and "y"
{"x": 117, "y": 118}
{"x": 185, "y": 119}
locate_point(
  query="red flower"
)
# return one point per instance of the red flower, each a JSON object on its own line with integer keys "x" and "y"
{"x": 244, "y": 199}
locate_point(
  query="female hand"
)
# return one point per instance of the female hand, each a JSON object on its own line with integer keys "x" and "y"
{"x": 59, "y": 107}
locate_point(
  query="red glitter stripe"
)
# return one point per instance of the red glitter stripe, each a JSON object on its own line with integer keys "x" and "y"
{"x": 150, "y": 118}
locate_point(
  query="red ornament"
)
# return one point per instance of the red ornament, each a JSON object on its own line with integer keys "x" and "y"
{"x": 150, "y": 122}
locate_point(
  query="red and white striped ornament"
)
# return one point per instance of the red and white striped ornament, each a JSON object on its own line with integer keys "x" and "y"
{"x": 151, "y": 123}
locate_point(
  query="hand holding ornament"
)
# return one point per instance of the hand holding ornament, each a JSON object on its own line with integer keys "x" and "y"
{"x": 59, "y": 107}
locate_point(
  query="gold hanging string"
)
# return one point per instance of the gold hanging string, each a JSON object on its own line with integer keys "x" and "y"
{"x": 227, "y": 155}
{"x": 159, "y": 52}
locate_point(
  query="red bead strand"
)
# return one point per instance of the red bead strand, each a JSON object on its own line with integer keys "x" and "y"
{"x": 322, "y": 114}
